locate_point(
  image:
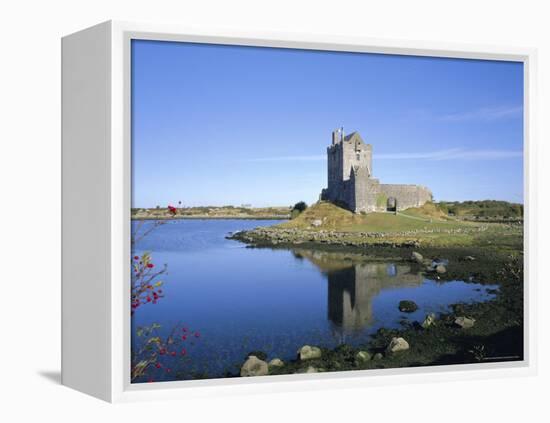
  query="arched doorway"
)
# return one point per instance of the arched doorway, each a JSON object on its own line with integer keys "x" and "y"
{"x": 391, "y": 205}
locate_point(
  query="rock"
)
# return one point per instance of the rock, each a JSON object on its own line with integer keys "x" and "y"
{"x": 317, "y": 222}
{"x": 440, "y": 269}
{"x": 428, "y": 321}
{"x": 258, "y": 354}
{"x": 417, "y": 257}
{"x": 308, "y": 353}
{"x": 276, "y": 362}
{"x": 464, "y": 322}
{"x": 469, "y": 258}
{"x": 378, "y": 356}
{"x": 253, "y": 366}
{"x": 407, "y": 306}
{"x": 397, "y": 344}
{"x": 362, "y": 356}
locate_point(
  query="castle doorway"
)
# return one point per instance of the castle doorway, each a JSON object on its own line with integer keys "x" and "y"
{"x": 391, "y": 205}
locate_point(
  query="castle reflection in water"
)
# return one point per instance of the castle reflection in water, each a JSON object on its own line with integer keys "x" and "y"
{"x": 353, "y": 283}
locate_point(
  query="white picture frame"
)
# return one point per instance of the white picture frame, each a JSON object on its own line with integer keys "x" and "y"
{"x": 96, "y": 212}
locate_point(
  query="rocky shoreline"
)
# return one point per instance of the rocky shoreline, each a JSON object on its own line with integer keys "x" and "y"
{"x": 273, "y": 236}
{"x": 466, "y": 334}
{"x": 426, "y": 343}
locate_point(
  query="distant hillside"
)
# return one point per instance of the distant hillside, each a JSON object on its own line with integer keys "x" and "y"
{"x": 482, "y": 210}
{"x": 211, "y": 212}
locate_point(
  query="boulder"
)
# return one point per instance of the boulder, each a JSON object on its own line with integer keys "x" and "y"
{"x": 464, "y": 322}
{"x": 276, "y": 362}
{"x": 258, "y": 354}
{"x": 362, "y": 357}
{"x": 253, "y": 366}
{"x": 397, "y": 344}
{"x": 378, "y": 356}
{"x": 440, "y": 268}
{"x": 469, "y": 258}
{"x": 308, "y": 353}
{"x": 317, "y": 222}
{"x": 417, "y": 257}
{"x": 428, "y": 321}
{"x": 407, "y": 306}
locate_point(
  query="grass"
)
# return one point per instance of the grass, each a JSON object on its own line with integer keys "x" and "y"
{"x": 333, "y": 217}
{"x": 486, "y": 209}
{"x": 427, "y": 211}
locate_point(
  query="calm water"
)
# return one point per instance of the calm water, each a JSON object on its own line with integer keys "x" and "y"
{"x": 243, "y": 299}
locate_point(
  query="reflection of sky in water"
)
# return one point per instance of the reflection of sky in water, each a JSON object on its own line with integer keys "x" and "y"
{"x": 244, "y": 299}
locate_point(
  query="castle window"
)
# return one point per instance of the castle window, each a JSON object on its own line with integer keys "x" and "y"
{"x": 358, "y": 156}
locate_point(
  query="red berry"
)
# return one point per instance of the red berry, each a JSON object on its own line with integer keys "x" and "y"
{"x": 136, "y": 258}
{"x": 197, "y": 334}
{"x": 158, "y": 365}
{"x": 184, "y": 337}
{"x": 150, "y": 265}
{"x": 173, "y": 353}
{"x": 183, "y": 351}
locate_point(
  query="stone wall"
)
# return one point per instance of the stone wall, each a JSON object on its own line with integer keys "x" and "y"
{"x": 407, "y": 195}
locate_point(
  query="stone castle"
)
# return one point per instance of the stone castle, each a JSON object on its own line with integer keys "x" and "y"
{"x": 351, "y": 184}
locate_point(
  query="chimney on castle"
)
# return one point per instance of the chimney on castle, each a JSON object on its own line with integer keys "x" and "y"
{"x": 335, "y": 136}
{"x": 342, "y": 133}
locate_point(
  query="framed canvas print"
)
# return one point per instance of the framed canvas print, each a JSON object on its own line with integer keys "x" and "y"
{"x": 251, "y": 212}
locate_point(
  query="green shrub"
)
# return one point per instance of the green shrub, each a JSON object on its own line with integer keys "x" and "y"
{"x": 300, "y": 206}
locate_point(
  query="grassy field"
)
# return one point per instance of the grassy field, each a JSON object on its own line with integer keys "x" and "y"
{"x": 427, "y": 225}
{"x": 336, "y": 218}
{"x": 483, "y": 210}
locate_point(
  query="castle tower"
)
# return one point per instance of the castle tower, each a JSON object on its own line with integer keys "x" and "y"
{"x": 349, "y": 166}
{"x": 351, "y": 183}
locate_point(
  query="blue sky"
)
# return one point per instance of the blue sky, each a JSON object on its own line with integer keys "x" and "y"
{"x": 217, "y": 125}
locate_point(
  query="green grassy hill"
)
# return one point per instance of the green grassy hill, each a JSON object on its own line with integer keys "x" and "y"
{"x": 482, "y": 209}
{"x": 327, "y": 216}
